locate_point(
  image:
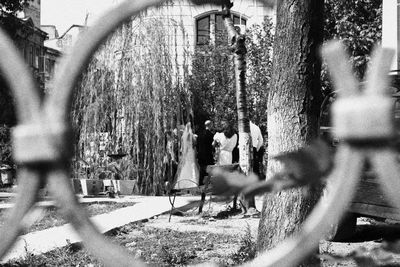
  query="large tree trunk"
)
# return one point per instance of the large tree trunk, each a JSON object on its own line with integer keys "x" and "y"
{"x": 293, "y": 109}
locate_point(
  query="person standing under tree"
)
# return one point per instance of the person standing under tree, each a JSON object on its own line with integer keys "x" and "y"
{"x": 188, "y": 174}
{"x": 226, "y": 142}
{"x": 258, "y": 148}
{"x": 205, "y": 149}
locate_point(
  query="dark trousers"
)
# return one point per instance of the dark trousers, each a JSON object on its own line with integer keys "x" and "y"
{"x": 203, "y": 173}
{"x": 258, "y": 162}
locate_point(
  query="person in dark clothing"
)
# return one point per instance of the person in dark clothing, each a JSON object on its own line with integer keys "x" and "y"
{"x": 258, "y": 167}
{"x": 235, "y": 151}
{"x": 258, "y": 149}
{"x": 205, "y": 150}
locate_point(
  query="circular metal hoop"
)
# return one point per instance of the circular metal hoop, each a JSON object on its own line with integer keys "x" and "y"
{"x": 343, "y": 183}
{"x": 316, "y": 226}
{"x": 57, "y": 106}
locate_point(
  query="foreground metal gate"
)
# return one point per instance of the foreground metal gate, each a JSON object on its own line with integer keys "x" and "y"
{"x": 42, "y": 143}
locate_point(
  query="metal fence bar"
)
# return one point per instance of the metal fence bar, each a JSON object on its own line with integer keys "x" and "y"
{"x": 317, "y": 226}
{"x": 42, "y": 147}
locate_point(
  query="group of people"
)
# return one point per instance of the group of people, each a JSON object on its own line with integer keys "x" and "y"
{"x": 221, "y": 148}
{"x": 189, "y": 155}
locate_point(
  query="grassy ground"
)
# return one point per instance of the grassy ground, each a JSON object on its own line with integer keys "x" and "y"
{"x": 157, "y": 247}
{"x": 191, "y": 239}
{"x": 71, "y": 255}
{"x": 167, "y": 247}
{"x": 51, "y": 218}
{"x": 188, "y": 239}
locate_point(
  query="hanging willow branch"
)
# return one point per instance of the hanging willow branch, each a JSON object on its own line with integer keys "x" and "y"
{"x": 129, "y": 94}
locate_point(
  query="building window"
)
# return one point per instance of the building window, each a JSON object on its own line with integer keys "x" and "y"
{"x": 41, "y": 64}
{"x": 31, "y": 55}
{"x": 210, "y": 28}
{"x": 203, "y": 30}
{"x": 24, "y": 53}
{"x": 36, "y": 58}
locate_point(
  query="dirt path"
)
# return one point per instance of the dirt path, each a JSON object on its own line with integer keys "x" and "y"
{"x": 190, "y": 220}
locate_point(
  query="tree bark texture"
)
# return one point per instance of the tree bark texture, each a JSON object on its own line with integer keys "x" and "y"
{"x": 293, "y": 108}
{"x": 245, "y": 142}
{"x": 239, "y": 49}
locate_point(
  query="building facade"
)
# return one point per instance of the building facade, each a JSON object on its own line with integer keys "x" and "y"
{"x": 203, "y": 24}
{"x": 391, "y": 29}
{"x": 30, "y": 41}
{"x": 29, "y": 38}
{"x": 65, "y": 41}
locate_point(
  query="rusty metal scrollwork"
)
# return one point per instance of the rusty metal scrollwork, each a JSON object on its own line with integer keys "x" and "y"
{"x": 42, "y": 144}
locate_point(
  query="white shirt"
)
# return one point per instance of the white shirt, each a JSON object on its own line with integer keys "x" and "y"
{"x": 226, "y": 147}
{"x": 256, "y": 136}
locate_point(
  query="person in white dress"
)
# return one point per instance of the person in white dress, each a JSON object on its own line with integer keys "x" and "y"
{"x": 226, "y": 142}
{"x": 188, "y": 169}
{"x": 258, "y": 150}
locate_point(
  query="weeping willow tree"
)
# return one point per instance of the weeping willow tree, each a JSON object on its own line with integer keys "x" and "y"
{"x": 130, "y": 98}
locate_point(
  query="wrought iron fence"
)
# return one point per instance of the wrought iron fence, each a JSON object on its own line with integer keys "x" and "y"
{"x": 42, "y": 143}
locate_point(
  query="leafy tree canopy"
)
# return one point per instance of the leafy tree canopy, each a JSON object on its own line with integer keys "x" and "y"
{"x": 12, "y": 6}
{"x": 212, "y": 83}
{"x": 8, "y": 12}
{"x": 358, "y": 24}
{"x": 259, "y": 43}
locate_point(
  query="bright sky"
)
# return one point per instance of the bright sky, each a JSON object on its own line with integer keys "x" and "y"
{"x": 64, "y": 13}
